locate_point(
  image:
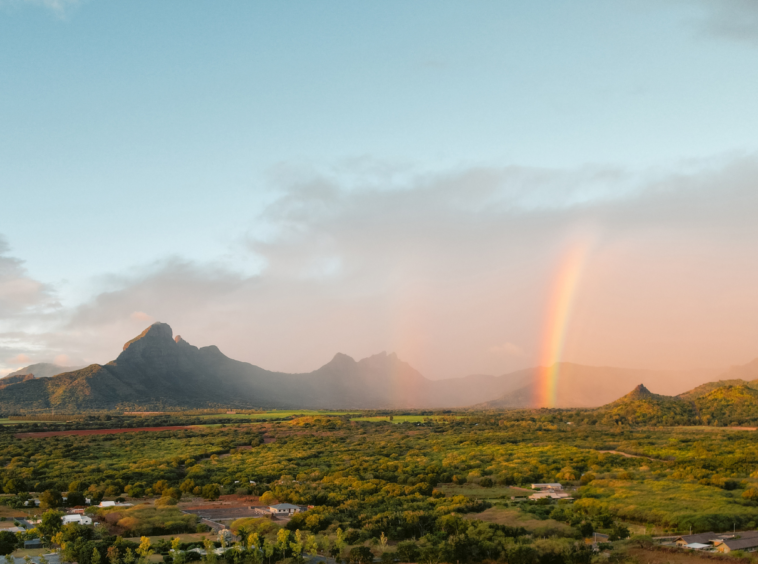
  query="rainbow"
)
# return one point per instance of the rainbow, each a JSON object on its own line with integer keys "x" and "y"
{"x": 557, "y": 320}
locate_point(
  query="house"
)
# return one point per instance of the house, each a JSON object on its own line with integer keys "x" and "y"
{"x": 284, "y": 509}
{"x": 550, "y": 494}
{"x": 749, "y": 544}
{"x": 76, "y": 518}
{"x": 699, "y": 538}
{"x": 547, "y": 487}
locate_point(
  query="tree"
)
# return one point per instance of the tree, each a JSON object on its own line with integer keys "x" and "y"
{"x": 751, "y": 494}
{"x": 7, "y": 542}
{"x": 360, "y": 555}
{"x": 211, "y": 492}
{"x": 95, "y": 557}
{"x": 52, "y": 522}
{"x": 113, "y": 555}
{"x": 311, "y": 544}
{"x": 296, "y": 546}
{"x": 75, "y": 498}
{"x": 267, "y": 498}
{"x": 179, "y": 556}
{"x": 268, "y": 550}
{"x": 144, "y": 550}
{"x": 50, "y": 499}
{"x": 210, "y": 555}
{"x": 187, "y": 485}
{"x": 129, "y": 556}
{"x": 586, "y": 529}
{"x": 282, "y": 541}
{"x": 618, "y": 532}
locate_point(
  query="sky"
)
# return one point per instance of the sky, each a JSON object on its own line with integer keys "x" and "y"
{"x": 477, "y": 186}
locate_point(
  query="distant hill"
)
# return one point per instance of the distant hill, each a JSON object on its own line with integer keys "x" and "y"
{"x": 642, "y": 407}
{"x": 156, "y": 371}
{"x": 593, "y": 386}
{"x": 42, "y": 370}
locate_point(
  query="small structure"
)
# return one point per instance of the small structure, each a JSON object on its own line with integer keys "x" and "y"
{"x": 596, "y": 538}
{"x": 76, "y": 518}
{"x": 34, "y": 543}
{"x": 698, "y": 546}
{"x": 547, "y": 487}
{"x": 284, "y": 509}
{"x": 113, "y": 504}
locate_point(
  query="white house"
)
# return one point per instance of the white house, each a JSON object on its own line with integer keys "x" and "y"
{"x": 551, "y": 494}
{"x": 76, "y": 518}
{"x": 284, "y": 509}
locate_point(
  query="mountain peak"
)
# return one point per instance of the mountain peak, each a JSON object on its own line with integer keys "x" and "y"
{"x": 156, "y": 331}
{"x": 640, "y": 392}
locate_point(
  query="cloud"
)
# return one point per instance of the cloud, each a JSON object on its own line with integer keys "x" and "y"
{"x": 437, "y": 266}
{"x": 731, "y": 19}
{"x": 20, "y": 359}
{"x": 60, "y": 8}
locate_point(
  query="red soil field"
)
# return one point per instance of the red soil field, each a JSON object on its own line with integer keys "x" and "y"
{"x": 43, "y": 434}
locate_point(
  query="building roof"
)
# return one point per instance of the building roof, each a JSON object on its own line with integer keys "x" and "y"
{"x": 553, "y": 485}
{"x": 698, "y": 546}
{"x": 741, "y": 544}
{"x": 284, "y": 506}
{"x": 699, "y": 538}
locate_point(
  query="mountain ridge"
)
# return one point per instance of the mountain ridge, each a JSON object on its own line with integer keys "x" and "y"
{"x": 158, "y": 371}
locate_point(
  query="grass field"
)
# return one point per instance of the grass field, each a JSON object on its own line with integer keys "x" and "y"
{"x": 478, "y": 492}
{"x": 276, "y": 414}
{"x": 6, "y": 421}
{"x": 516, "y": 518}
{"x": 399, "y": 418}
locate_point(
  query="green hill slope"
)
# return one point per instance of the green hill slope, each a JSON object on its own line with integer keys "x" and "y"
{"x": 729, "y": 405}
{"x": 642, "y": 407}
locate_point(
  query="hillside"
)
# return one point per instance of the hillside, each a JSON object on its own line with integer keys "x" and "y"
{"x": 729, "y": 405}
{"x": 642, "y": 407}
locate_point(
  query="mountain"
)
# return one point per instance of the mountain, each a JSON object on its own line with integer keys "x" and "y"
{"x": 593, "y": 386}
{"x": 642, "y": 407}
{"x": 158, "y": 371}
{"x": 42, "y": 370}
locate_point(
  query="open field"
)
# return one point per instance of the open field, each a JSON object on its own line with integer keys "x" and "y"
{"x": 45, "y": 434}
{"x": 6, "y": 421}
{"x": 276, "y": 414}
{"x": 516, "y": 518}
{"x": 398, "y": 418}
{"x": 476, "y": 491}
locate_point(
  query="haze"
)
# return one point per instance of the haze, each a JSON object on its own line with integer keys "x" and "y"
{"x": 288, "y": 181}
